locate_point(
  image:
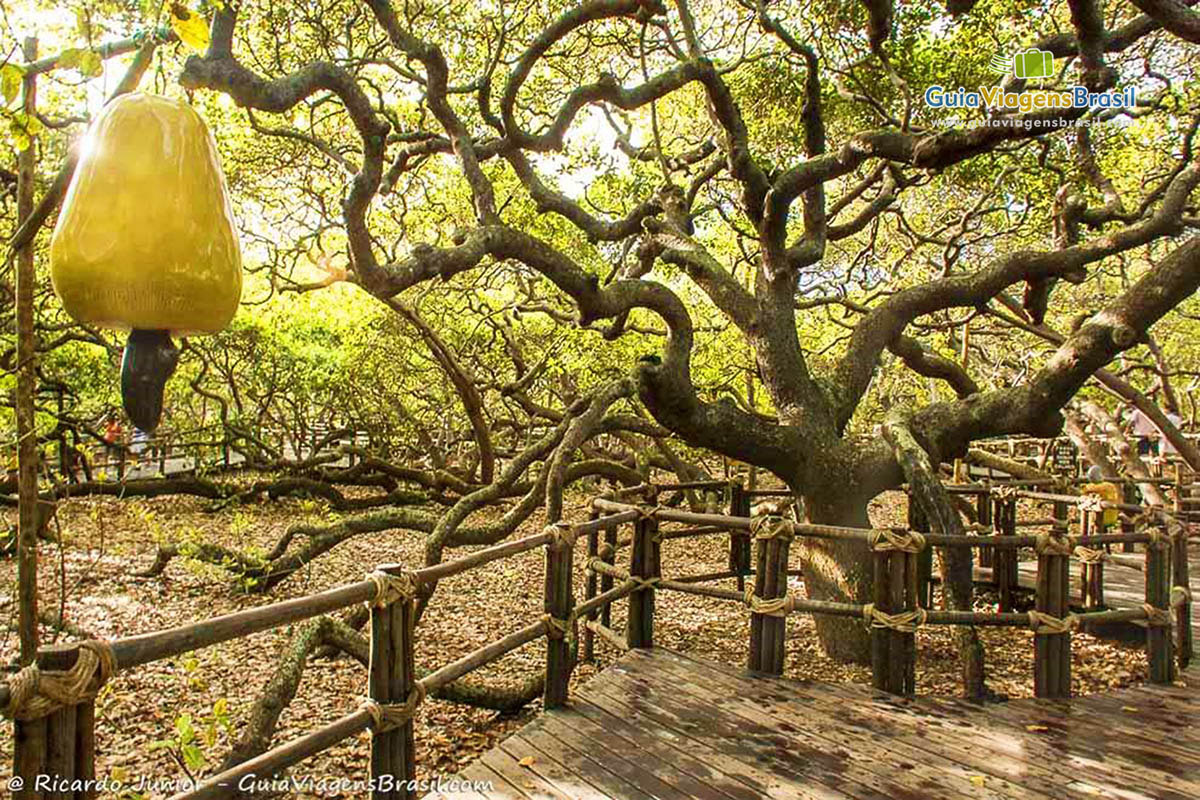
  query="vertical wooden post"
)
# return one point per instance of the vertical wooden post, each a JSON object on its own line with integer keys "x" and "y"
{"x": 560, "y": 601}
{"x": 983, "y": 505}
{"x": 739, "y": 541}
{"x": 608, "y": 556}
{"x": 588, "y": 652}
{"x": 1181, "y": 595}
{"x": 1052, "y": 652}
{"x": 391, "y": 679}
{"x": 644, "y": 564}
{"x": 29, "y": 755}
{"x": 1004, "y": 561}
{"x": 1158, "y": 637}
{"x": 768, "y": 648}
{"x": 1128, "y": 495}
{"x": 881, "y": 640}
{"x": 922, "y": 577}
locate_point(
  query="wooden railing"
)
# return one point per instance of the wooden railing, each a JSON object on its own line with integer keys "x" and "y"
{"x": 61, "y": 743}
{"x": 901, "y": 581}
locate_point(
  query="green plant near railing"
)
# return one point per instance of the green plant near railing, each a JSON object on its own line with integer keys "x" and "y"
{"x": 192, "y": 740}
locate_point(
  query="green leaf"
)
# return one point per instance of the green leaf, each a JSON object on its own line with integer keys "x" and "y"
{"x": 193, "y": 757}
{"x": 183, "y": 727}
{"x": 10, "y": 81}
{"x": 190, "y": 27}
{"x": 91, "y": 65}
{"x": 70, "y": 58}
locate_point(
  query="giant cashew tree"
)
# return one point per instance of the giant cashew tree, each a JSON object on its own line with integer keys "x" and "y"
{"x": 769, "y": 166}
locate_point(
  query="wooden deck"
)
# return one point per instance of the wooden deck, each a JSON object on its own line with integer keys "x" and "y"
{"x": 662, "y": 725}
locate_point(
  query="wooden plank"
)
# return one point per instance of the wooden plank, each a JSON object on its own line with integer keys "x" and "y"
{"x": 552, "y": 754}
{"x": 589, "y": 741}
{"x": 529, "y": 780}
{"x": 896, "y": 720}
{"x": 796, "y": 752}
{"x": 882, "y": 757}
{"x": 669, "y": 751}
{"x": 728, "y": 754}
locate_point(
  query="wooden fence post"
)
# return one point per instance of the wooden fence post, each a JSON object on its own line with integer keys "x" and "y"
{"x": 390, "y": 682}
{"x": 587, "y": 648}
{"x": 560, "y": 601}
{"x": 1181, "y": 595}
{"x": 1128, "y": 495}
{"x": 1052, "y": 651}
{"x": 1004, "y": 559}
{"x": 1158, "y": 593}
{"x": 608, "y": 556}
{"x": 983, "y": 505}
{"x": 643, "y": 564}
{"x": 768, "y": 632}
{"x": 62, "y": 745}
{"x": 923, "y": 572}
{"x": 893, "y": 647}
{"x": 739, "y": 542}
{"x": 1091, "y": 573}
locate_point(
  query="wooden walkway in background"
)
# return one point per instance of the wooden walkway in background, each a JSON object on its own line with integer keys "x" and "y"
{"x": 662, "y": 725}
{"x": 1124, "y": 586}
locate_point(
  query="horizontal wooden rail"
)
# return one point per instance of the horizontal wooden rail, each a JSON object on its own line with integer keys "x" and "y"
{"x": 842, "y": 532}
{"x": 272, "y": 762}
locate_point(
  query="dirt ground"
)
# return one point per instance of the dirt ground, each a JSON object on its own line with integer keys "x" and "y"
{"x": 142, "y": 715}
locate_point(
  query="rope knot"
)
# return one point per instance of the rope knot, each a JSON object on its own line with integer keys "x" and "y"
{"x": 903, "y": 621}
{"x": 897, "y": 539}
{"x": 1054, "y": 543}
{"x": 770, "y": 527}
{"x": 556, "y": 628}
{"x": 1090, "y": 502}
{"x": 1087, "y": 555}
{"x": 392, "y": 588}
{"x": 1156, "y": 617}
{"x": 773, "y": 607}
{"x": 390, "y": 716}
{"x": 35, "y": 693}
{"x": 562, "y": 534}
{"x": 1048, "y": 624}
{"x": 1180, "y": 596}
{"x": 1004, "y": 492}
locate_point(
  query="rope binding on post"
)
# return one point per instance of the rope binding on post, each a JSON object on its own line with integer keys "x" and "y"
{"x": 774, "y": 607}
{"x": 1054, "y": 544}
{"x": 771, "y": 527}
{"x": 898, "y": 540}
{"x": 1086, "y": 555}
{"x": 391, "y": 588}
{"x": 35, "y": 693}
{"x": 904, "y": 621}
{"x": 390, "y": 716}
{"x": 561, "y": 533}
{"x": 1180, "y": 596}
{"x": 1155, "y": 617}
{"x": 558, "y": 629}
{"x": 1048, "y": 625}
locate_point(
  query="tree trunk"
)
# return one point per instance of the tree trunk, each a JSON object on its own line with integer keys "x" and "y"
{"x": 838, "y": 570}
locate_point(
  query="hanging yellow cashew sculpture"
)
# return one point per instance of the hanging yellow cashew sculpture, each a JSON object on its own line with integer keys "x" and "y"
{"x": 145, "y": 240}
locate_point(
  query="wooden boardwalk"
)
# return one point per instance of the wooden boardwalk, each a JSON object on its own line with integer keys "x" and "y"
{"x": 1124, "y": 586}
{"x": 662, "y": 725}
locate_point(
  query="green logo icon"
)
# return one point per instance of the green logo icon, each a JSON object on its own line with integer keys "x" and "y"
{"x": 1029, "y": 63}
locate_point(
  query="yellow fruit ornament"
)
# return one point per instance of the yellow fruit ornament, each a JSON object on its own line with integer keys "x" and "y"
{"x": 145, "y": 240}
